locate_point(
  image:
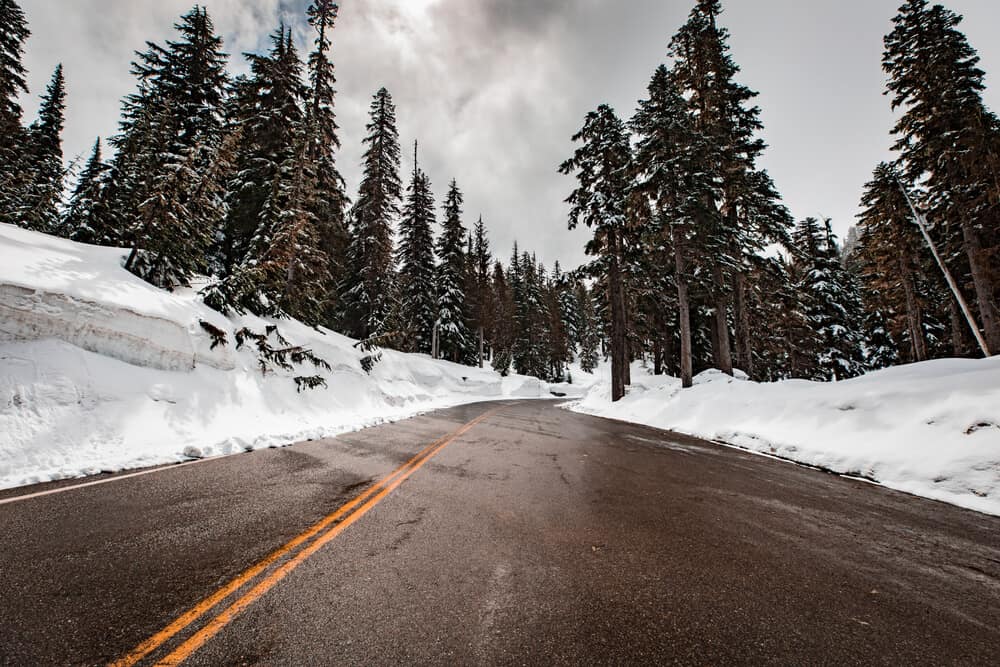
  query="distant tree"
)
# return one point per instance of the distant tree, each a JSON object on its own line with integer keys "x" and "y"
{"x": 41, "y": 196}
{"x": 87, "y": 217}
{"x": 418, "y": 310}
{"x": 503, "y": 330}
{"x": 453, "y": 336}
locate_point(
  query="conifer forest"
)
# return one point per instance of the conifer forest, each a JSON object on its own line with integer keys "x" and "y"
{"x": 695, "y": 261}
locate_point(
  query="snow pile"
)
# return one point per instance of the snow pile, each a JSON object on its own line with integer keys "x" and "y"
{"x": 101, "y": 371}
{"x": 931, "y": 429}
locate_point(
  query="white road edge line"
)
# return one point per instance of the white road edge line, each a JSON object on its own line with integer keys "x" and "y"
{"x": 73, "y": 487}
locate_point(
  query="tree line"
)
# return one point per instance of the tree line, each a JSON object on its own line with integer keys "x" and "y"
{"x": 700, "y": 265}
{"x": 236, "y": 178}
{"x": 696, "y": 262}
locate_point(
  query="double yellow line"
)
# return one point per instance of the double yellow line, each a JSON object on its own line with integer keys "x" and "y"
{"x": 333, "y": 524}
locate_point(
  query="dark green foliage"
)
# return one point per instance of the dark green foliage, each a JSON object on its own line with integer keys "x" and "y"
{"x": 453, "y": 337}
{"x": 218, "y": 336}
{"x": 87, "y": 215}
{"x": 418, "y": 310}
{"x": 367, "y": 288}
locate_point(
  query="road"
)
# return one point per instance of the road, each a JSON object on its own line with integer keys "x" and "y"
{"x": 495, "y": 533}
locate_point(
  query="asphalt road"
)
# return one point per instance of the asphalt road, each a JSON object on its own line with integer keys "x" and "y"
{"x": 525, "y": 535}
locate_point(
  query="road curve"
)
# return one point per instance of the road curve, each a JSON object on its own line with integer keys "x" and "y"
{"x": 495, "y": 533}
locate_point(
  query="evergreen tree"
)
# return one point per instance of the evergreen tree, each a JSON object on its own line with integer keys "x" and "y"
{"x": 891, "y": 262}
{"x": 832, "y": 302}
{"x": 589, "y": 330}
{"x": 949, "y": 140}
{"x": 602, "y": 165}
{"x": 367, "y": 287}
{"x": 42, "y": 194}
{"x": 418, "y": 309}
{"x": 87, "y": 215}
{"x": 330, "y": 202}
{"x": 13, "y": 33}
{"x": 744, "y": 215}
{"x": 675, "y": 172}
{"x": 453, "y": 337}
{"x": 482, "y": 307}
{"x": 502, "y": 333}
{"x": 170, "y": 125}
{"x": 270, "y": 116}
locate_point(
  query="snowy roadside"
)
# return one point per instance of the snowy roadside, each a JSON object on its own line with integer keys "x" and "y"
{"x": 930, "y": 429}
{"x": 100, "y": 371}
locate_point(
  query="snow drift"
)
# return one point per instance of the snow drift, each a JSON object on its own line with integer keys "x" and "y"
{"x": 102, "y": 371}
{"x": 931, "y": 429}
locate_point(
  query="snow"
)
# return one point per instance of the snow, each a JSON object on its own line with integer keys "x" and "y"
{"x": 931, "y": 429}
{"x": 101, "y": 371}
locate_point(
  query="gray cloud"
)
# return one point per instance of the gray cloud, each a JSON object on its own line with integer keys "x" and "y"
{"x": 493, "y": 89}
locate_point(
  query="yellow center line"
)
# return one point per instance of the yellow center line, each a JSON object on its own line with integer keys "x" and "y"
{"x": 351, "y": 510}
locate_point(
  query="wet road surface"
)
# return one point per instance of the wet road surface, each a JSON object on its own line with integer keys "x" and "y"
{"x": 495, "y": 533}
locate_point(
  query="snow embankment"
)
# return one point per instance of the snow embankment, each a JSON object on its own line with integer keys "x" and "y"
{"x": 101, "y": 371}
{"x": 931, "y": 429}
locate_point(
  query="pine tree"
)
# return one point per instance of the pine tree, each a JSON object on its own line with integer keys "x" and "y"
{"x": 453, "y": 336}
{"x": 675, "y": 172}
{"x": 418, "y": 308}
{"x": 174, "y": 117}
{"x": 589, "y": 330}
{"x": 744, "y": 215}
{"x": 331, "y": 201}
{"x": 87, "y": 216}
{"x": 832, "y": 302}
{"x": 502, "y": 333}
{"x": 602, "y": 165}
{"x": 13, "y": 33}
{"x": 271, "y": 117}
{"x": 367, "y": 287}
{"x": 44, "y": 172}
{"x": 949, "y": 140}
{"x": 482, "y": 293}
{"x": 891, "y": 261}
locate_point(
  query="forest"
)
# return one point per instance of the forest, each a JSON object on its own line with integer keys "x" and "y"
{"x": 231, "y": 184}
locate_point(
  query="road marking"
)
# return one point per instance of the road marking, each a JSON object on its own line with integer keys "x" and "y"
{"x": 73, "y": 487}
{"x": 347, "y": 514}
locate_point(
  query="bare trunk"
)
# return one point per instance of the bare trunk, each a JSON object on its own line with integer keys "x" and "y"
{"x": 618, "y": 338}
{"x": 959, "y": 338}
{"x": 684, "y": 314}
{"x": 657, "y": 357}
{"x": 914, "y": 318}
{"x": 480, "y": 333}
{"x": 984, "y": 288}
{"x": 744, "y": 352}
{"x": 723, "y": 353}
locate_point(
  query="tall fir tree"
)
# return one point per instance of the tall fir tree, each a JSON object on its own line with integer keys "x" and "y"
{"x": 171, "y": 130}
{"x": 481, "y": 293}
{"x": 87, "y": 217}
{"x": 368, "y": 286}
{"x": 602, "y": 167}
{"x": 832, "y": 302}
{"x": 950, "y": 141}
{"x": 41, "y": 196}
{"x": 331, "y": 200}
{"x": 454, "y": 342}
{"x": 502, "y": 331}
{"x": 418, "y": 309}
{"x": 13, "y": 82}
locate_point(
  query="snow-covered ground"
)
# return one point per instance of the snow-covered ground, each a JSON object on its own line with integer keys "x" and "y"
{"x": 931, "y": 429}
{"x": 101, "y": 371}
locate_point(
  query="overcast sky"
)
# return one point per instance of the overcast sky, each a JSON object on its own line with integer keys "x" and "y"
{"x": 494, "y": 89}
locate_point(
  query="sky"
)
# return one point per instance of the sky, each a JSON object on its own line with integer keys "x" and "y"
{"x": 494, "y": 89}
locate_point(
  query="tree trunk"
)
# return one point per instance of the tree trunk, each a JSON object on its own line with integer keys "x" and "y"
{"x": 979, "y": 268}
{"x": 744, "y": 349}
{"x": 684, "y": 314}
{"x": 657, "y": 357}
{"x": 959, "y": 329}
{"x": 480, "y": 333}
{"x": 618, "y": 336}
{"x": 723, "y": 353}
{"x": 914, "y": 318}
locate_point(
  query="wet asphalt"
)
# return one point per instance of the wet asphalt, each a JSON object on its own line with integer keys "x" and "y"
{"x": 540, "y": 536}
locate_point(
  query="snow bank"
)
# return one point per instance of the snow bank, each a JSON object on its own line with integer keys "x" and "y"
{"x": 931, "y": 429}
{"x": 101, "y": 371}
